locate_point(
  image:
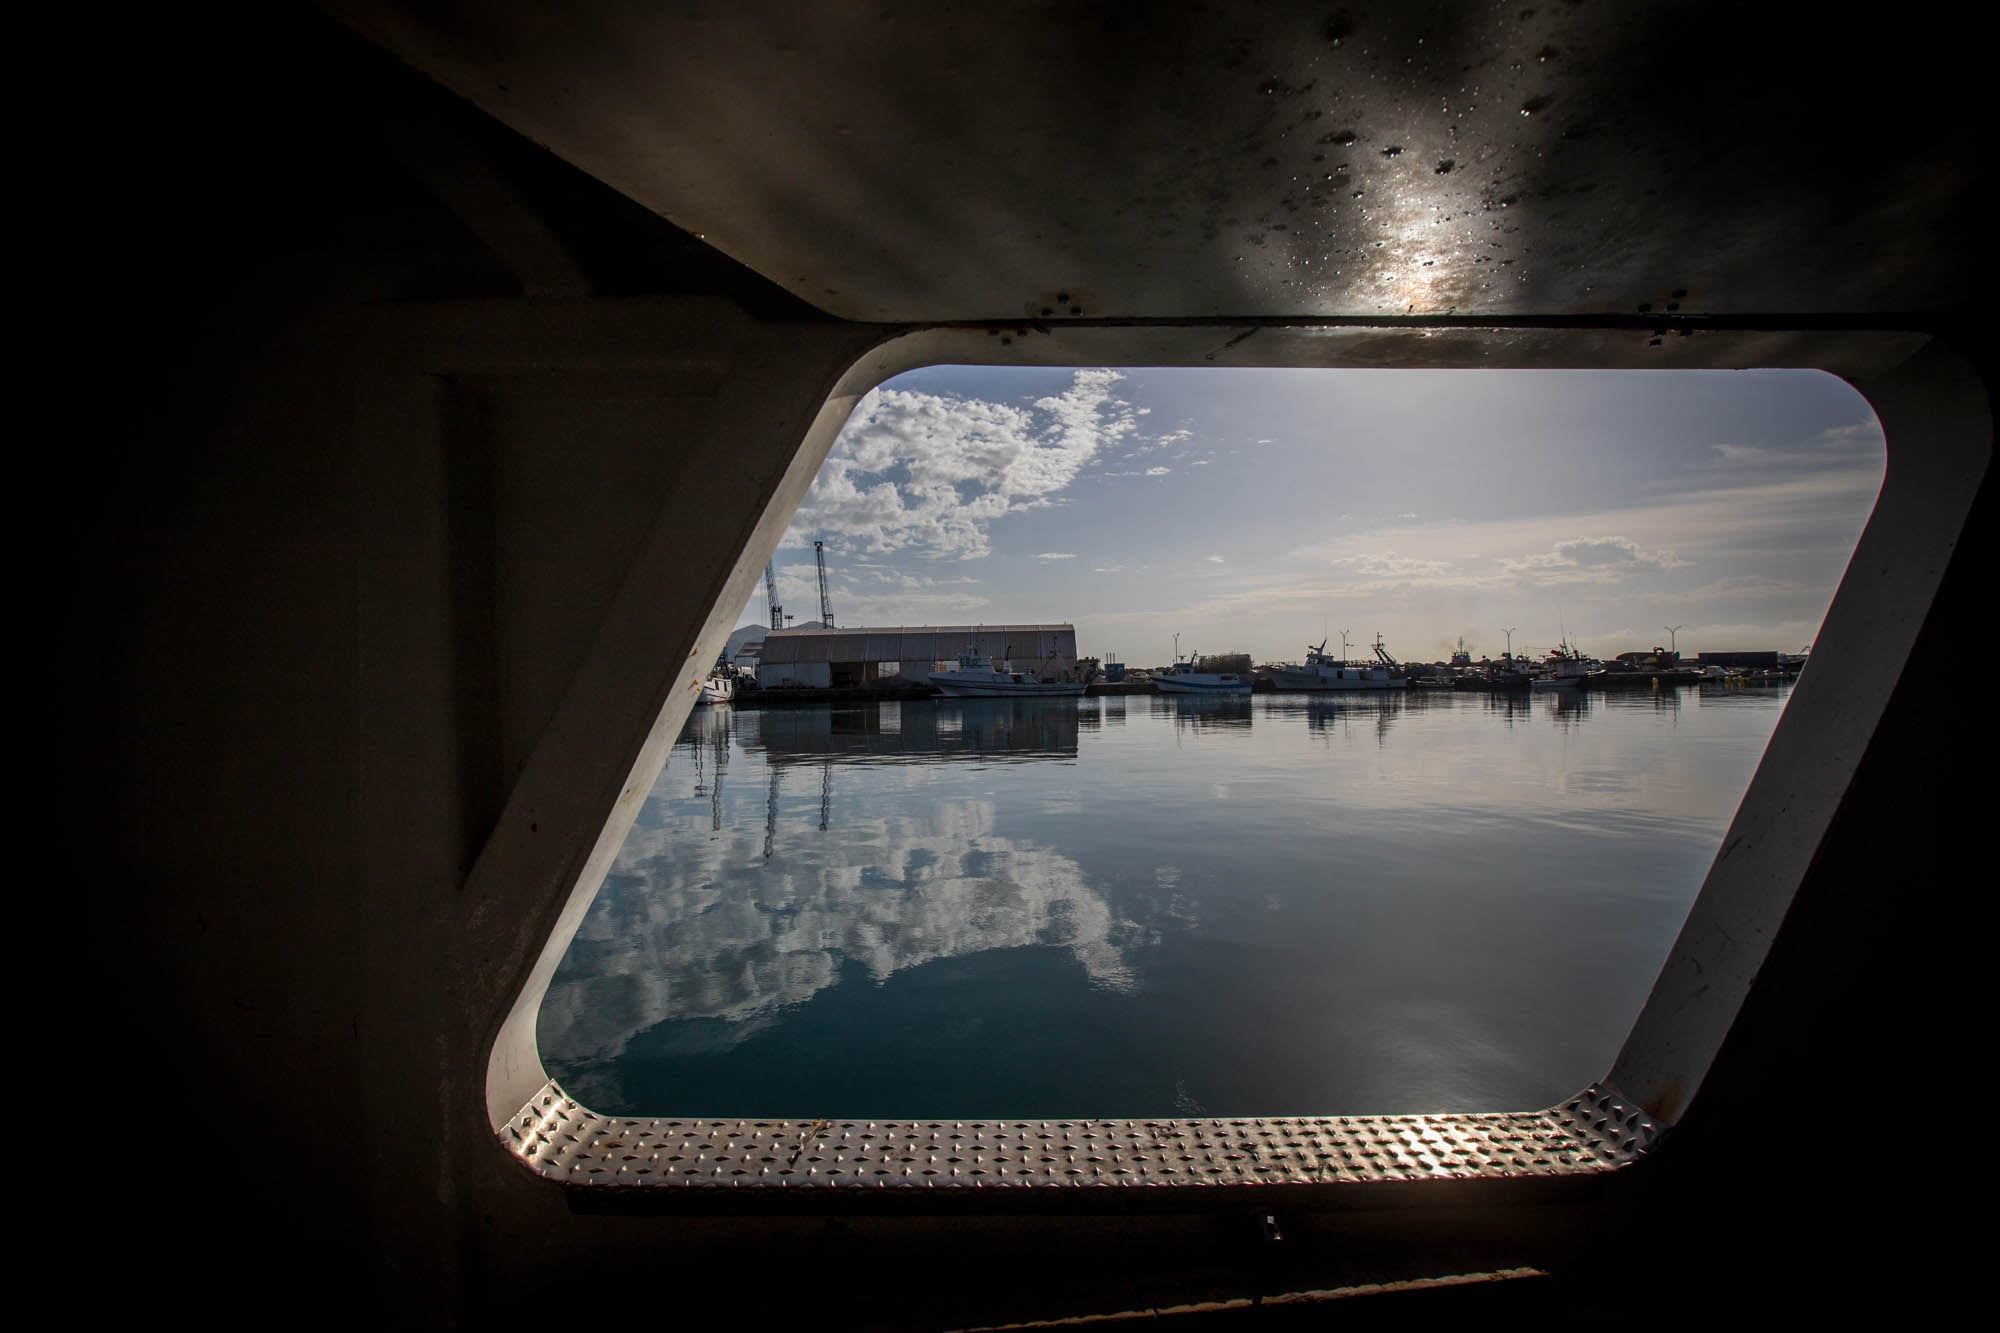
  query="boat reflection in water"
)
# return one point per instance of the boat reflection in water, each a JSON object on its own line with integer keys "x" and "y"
{"x": 1410, "y": 901}
{"x": 1327, "y": 714}
{"x": 1204, "y": 712}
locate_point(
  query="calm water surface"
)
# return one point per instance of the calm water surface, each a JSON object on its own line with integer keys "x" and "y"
{"x": 1148, "y": 906}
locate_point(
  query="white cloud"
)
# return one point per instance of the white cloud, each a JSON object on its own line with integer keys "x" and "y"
{"x": 1158, "y": 471}
{"x": 1856, "y": 441}
{"x": 1866, "y": 433}
{"x": 1215, "y": 560}
{"x": 1592, "y": 560}
{"x": 929, "y": 474}
{"x": 1747, "y": 585}
{"x": 1056, "y": 555}
{"x": 1741, "y": 454}
{"x": 1389, "y": 565}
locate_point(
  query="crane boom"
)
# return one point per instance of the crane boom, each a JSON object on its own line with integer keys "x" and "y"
{"x": 771, "y": 595}
{"x": 825, "y": 602}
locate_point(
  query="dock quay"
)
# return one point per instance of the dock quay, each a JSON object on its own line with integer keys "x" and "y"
{"x": 1642, "y": 680}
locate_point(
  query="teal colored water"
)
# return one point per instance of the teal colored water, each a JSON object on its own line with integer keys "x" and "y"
{"x": 1148, "y": 906}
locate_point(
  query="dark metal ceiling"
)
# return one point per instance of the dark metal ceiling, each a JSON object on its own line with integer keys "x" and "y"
{"x": 971, "y": 161}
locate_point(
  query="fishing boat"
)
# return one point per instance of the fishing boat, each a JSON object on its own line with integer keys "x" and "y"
{"x": 1565, "y": 668}
{"x": 1323, "y": 671}
{"x": 719, "y": 686}
{"x": 979, "y": 679}
{"x": 1182, "y": 678}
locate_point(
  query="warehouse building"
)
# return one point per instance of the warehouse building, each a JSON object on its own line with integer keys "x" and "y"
{"x": 815, "y": 658}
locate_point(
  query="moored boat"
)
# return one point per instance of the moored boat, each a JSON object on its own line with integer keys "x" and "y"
{"x": 1322, "y": 671}
{"x": 719, "y": 686}
{"x": 977, "y": 679}
{"x": 1182, "y": 678}
{"x": 1565, "y": 668}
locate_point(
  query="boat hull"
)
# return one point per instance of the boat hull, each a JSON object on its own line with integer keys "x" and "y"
{"x": 1290, "y": 681}
{"x": 1003, "y": 690}
{"x": 1167, "y": 685}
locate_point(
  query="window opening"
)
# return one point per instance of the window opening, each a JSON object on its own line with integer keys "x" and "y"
{"x": 1440, "y": 689}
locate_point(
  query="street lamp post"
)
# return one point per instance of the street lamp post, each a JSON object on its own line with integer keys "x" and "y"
{"x": 1509, "y": 632}
{"x": 1673, "y": 638}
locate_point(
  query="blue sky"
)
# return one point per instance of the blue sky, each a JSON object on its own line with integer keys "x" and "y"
{"x": 1255, "y": 510}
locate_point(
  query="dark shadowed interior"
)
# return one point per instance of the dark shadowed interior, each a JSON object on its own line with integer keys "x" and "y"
{"x": 449, "y": 365}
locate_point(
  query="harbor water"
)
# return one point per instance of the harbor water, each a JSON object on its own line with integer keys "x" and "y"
{"x": 1149, "y": 905}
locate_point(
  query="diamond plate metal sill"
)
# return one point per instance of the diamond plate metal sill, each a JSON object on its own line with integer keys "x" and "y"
{"x": 1595, "y": 1131}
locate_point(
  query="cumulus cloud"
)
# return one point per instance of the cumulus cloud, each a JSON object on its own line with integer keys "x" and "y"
{"x": 1158, "y": 471}
{"x": 929, "y": 474}
{"x": 1593, "y": 560}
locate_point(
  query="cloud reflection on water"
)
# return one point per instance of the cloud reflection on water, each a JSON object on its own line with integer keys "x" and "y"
{"x": 704, "y": 928}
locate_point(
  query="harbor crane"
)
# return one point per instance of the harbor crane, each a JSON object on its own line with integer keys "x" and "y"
{"x": 771, "y": 595}
{"x": 825, "y": 602}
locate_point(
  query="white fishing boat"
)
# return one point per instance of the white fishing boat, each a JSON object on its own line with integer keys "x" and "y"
{"x": 1324, "y": 671}
{"x": 1182, "y": 678}
{"x": 977, "y": 679}
{"x": 719, "y": 687}
{"x": 1565, "y": 668}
